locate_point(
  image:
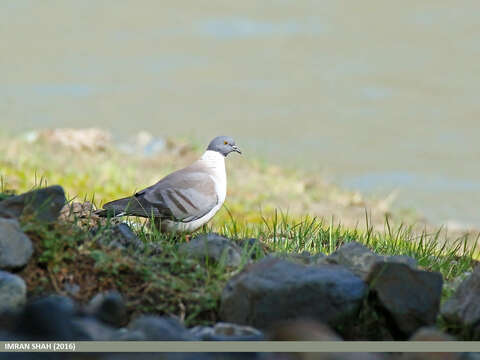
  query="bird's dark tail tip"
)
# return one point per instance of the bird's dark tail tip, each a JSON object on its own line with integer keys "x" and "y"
{"x": 114, "y": 208}
{"x": 104, "y": 213}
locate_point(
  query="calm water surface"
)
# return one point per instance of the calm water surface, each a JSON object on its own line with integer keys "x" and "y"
{"x": 377, "y": 95}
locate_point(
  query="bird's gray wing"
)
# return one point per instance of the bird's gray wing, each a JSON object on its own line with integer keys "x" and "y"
{"x": 184, "y": 195}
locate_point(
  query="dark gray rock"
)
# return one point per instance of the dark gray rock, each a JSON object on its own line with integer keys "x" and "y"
{"x": 120, "y": 236}
{"x": 49, "y": 319}
{"x": 149, "y": 327}
{"x": 430, "y": 334}
{"x": 308, "y": 330}
{"x": 15, "y": 247}
{"x": 301, "y": 330}
{"x": 109, "y": 307}
{"x": 470, "y": 356}
{"x": 409, "y": 298}
{"x": 43, "y": 204}
{"x": 166, "y": 356}
{"x": 227, "y": 331}
{"x": 360, "y": 260}
{"x": 93, "y": 328}
{"x": 272, "y": 290}
{"x": 304, "y": 258}
{"x": 253, "y": 247}
{"x": 213, "y": 247}
{"x": 13, "y": 292}
{"x": 71, "y": 289}
{"x": 462, "y": 309}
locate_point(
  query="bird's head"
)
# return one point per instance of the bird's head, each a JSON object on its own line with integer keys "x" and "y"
{"x": 224, "y": 145}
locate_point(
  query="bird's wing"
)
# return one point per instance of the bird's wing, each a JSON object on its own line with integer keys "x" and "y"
{"x": 184, "y": 195}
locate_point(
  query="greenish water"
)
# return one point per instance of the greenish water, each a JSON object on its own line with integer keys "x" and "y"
{"x": 378, "y": 96}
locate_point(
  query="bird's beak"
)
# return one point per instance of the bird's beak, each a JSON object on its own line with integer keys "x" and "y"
{"x": 236, "y": 149}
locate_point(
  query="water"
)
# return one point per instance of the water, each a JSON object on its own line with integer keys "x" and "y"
{"x": 378, "y": 96}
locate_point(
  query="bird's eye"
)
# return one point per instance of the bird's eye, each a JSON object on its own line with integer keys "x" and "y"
{"x": 225, "y": 142}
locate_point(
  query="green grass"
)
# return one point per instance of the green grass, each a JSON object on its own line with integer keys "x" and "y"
{"x": 169, "y": 283}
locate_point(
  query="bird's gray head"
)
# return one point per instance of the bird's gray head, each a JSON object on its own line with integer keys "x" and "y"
{"x": 224, "y": 145}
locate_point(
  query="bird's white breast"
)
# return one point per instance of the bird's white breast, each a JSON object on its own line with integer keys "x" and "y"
{"x": 215, "y": 162}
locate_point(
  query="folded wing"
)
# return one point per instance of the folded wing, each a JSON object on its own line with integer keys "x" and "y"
{"x": 182, "y": 196}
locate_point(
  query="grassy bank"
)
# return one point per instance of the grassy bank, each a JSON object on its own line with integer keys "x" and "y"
{"x": 167, "y": 283}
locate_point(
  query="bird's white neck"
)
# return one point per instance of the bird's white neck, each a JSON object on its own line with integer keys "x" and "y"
{"x": 216, "y": 165}
{"x": 214, "y": 161}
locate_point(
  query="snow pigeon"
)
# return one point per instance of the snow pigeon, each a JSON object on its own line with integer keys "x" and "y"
{"x": 186, "y": 199}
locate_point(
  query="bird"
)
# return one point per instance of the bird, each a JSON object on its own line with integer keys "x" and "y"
{"x": 186, "y": 199}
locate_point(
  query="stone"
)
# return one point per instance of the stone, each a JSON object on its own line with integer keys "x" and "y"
{"x": 301, "y": 330}
{"x": 16, "y": 248}
{"x": 93, "y": 329}
{"x": 310, "y": 330}
{"x": 359, "y": 259}
{"x": 71, "y": 289}
{"x": 470, "y": 356}
{"x": 272, "y": 290}
{"x": 13, "y": 292}
{"x": 304, "y": 257}
{"x": 227, "y": 331}
{"x": 252, "y": 246}
{"x": 213, "y": 247}
{"x": 462, "y": 309}
{"x": 43, "y": 204}
{"x": 120, "y": 236}
{"x": 49, "y": 319}
{"x": 409, "y": 297}
{"x": 156, "y": 328}
{"x": 109, "y": 307}
{"x": 82, "y": 214}
{"x": 430, "y": 334}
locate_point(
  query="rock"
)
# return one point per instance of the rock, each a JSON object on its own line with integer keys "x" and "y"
{"x": 304, "y": 258}
{"x": 13, "y": 292}
{"x": 252, "y": 246}
{"x": 49, "y": 319}
{"x": 214, "y": 247}
{"x": 15, "y": 247}
{"x": 120, "y": 236}
{"x": 451, "y": 286}
{"x": 227, "y": 331}
{"x": 309, "y": 330}
{"x": 153, "y": 248}
{"x": 94, "y": 329}
{"x": 165, "y": 356}
{"x": 470, "y": 356}
{"x": 71, "y": 288}
{"x": 360, "y": 260}
{"x": 430, "y": 334}
{"x": 410, "y": 298}
{"x": 43, "y": 204}
{"x": 109, "y": 307}
{"x": 301, "y": 330}
{"x": 82, "y": 214}
{"x": 273, "y": 289}
{"x": 149, "y": 327}
{"x": 462, "y": 309}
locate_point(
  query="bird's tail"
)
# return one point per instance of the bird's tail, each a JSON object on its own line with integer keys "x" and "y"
{"x": 114, "y": 208}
